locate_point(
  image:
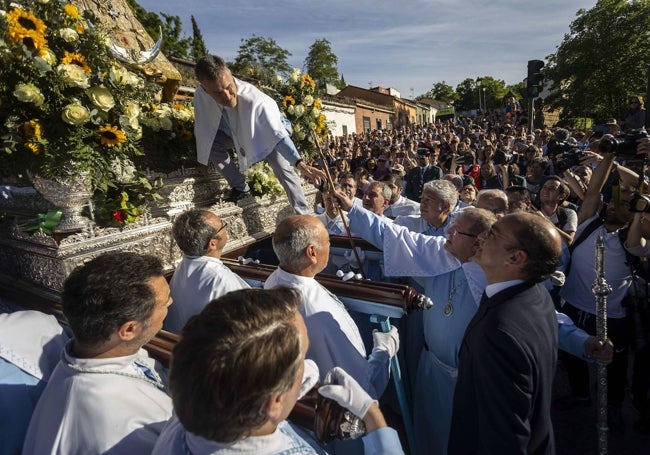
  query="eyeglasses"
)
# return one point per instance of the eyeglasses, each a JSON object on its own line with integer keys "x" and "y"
{"x": 453, "y": 231}
{"x": 224, "y": 225}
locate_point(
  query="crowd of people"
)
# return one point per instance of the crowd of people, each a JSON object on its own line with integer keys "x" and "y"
{"x": 497, "y": 225}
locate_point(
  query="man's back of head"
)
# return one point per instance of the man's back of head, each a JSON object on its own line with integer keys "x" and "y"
{"x": 301, "y": 243}
{"x": 241, "y": 350}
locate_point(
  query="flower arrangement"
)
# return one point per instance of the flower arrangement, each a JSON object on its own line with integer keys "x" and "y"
{"x": 168, "y": 130}
{"x": 67, "y": 106}
{"x": 299, "y": 104}
{"x": 262, "y": 180}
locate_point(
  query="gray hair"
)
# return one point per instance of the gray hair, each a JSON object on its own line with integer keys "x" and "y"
{"x": 209, "y": 68}
{"x": 443, "y": 190}
{"x": 290, "y": 244}
{"x": 385, "y": 189}
{"x": 192, "y": 232}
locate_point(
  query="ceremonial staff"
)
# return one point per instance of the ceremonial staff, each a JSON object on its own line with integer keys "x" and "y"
{"x": 330, "y": 183}
{"x": 601, "y": 290}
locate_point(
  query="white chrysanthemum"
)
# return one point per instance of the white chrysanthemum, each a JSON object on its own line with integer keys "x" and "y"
{"x": 295, "y": 75}
{"x": 300, "y": 110}
{"x": 122, "y": 76}
{"x": 308, "y": 101}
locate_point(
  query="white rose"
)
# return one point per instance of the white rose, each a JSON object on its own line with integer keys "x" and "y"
{"x": 291, "y": 109}
{"x": 43, "y": 2}
{"x": 75, "y": 114}
{"x": 69, "y": 35}
{"x": 42, "y": 65}
{"x": 132, "y": 110}
{"x": 300, "y": 110}
{"x": 308, "y": 100}
{"x": 122, "y": 76}
{"x": 315, "y": 112}
{"x": 101, "y": 97}
{"x": 49, "y": 57}
{"x": 29, "y": 93}
{"x": 73, "y": 75}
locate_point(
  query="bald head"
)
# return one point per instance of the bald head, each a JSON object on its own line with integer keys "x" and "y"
{"x": 300, "y": 242}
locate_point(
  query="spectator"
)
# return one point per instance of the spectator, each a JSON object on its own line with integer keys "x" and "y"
{"x": 399, "y": 205}
{"x": 418, "y": 176}
{"x": 436, "y": 210}
{"x": 635, "y": 117}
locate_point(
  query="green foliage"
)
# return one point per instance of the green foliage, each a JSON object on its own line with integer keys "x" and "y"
{"x": 441, "y": 91}
{"x": 468, "y": 93}
{"x": 198, "y": 45}
{"x": 321, "y": 63}
{"x": 601, "y": 61}
{"x": 172, "y": 45}
{"x": 262, "y": 59}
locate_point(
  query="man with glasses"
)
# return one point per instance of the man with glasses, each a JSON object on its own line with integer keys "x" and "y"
{"x": 454, "y": 283}
{"x": 200, "y": 276}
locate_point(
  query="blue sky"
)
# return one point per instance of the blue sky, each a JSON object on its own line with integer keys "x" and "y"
{"x": 407, "y": 45}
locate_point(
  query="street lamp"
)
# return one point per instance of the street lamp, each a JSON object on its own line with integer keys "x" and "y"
{"x": 478, "y": 85}
{"x": 484, "y": 100}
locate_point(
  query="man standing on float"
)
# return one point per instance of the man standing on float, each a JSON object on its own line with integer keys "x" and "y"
{"x": 229, "y": 112}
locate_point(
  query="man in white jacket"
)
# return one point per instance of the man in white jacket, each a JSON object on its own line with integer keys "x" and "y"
{"x": 302, "y": 246}
{"x": 200, "y": 276}
{"x": 105, "y": 396}
{"x": 229, "y": 112}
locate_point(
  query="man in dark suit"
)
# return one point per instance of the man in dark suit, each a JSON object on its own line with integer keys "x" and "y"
{"x": 424, "y": 172}
{"x": 502, "y": 401}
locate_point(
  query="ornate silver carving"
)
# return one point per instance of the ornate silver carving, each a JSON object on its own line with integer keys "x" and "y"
{"x": 70, "y": 196}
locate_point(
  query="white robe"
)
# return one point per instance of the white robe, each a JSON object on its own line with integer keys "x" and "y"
{"x": 197, "y": 281}
{"x": 402, "y": 207}
{"x": 97, "y": 412}
{"x": 334, "y": 338}
{"x": 255, "y": 124}
{"x": 175, "y": 440}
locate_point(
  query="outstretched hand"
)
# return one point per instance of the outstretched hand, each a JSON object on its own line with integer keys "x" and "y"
{"x": 311, "y": 173}
{"x": 342, "y": 199}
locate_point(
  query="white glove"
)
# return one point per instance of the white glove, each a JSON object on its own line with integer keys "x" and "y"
{"x": 309, "y": 377}
{"x": 557, "y": 278}
{"x": 342, "y": 388}
{"x": 351, "y": 258}
{"x": 386, "y": 341}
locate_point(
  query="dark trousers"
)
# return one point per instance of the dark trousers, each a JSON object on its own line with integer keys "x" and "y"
{"x": 618, "y": 330}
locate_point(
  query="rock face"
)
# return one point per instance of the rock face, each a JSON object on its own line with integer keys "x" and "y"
{"x": 126, "y": 32}
{"x": 41, "y": 263}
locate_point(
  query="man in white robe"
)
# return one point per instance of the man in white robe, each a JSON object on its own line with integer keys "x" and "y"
{"x": 104, "y": 395}
{"x": 236, "y": 375}
{"x": 230, "y": 112}
{"x": 30, "y": 348}
{"x": 301, "y": 244}
{"x": 200, "y": 276}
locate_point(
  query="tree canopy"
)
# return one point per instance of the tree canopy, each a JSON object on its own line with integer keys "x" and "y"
{"x": 601, "y": 61}
{"x": 172, "y": 44}
{"x": 261, "y": 58}
{"x": 321, "y": 63}
{"x": 441, "y": 91}
{"x": 198, "y": 45}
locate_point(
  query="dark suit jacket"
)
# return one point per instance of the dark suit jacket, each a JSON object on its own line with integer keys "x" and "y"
{"x": 502, "y": 402}
{"x": 415, "y": 181}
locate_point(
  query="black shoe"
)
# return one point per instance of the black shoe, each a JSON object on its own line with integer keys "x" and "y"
{"x": 235, "y": 195}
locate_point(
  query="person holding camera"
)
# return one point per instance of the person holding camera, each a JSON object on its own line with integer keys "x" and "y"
{"x": 609, "y": 221}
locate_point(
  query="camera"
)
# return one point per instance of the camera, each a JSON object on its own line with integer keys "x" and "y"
{"x": 640, "y": 203}
{"x": 567, "y": 160}
{"x": 504, "y": 157}
{"x": 556, "y": 147}
{"x": 623, "y": 146}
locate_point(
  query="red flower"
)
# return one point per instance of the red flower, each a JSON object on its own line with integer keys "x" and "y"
{"x": 119, "y": 216}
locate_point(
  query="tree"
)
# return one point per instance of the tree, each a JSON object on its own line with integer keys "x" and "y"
{"x": 467, "y": 95}
{"x": 321, "y": 63}
{"x": 198, "y": 45}
{"x": 261, "y": 58}
{"x": 600, "y": 62}
{"x": 172, "y": 44}
{"x": 441, "y": 91}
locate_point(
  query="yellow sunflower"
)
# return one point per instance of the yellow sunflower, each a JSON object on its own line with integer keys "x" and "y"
{"x": 317, "y": 104}
{"x": 21, "y": 21}
{"x": 73, "y": 58}
{"x": 33, "y": 147}
{"x": 111, "y": 135}
{"x": 71, "y": 11}
{"x": 307, "y": 80}
{"x": 288, "y": 101}
{"x": 33, "y": 129}
{"x": 80, "y": 28}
